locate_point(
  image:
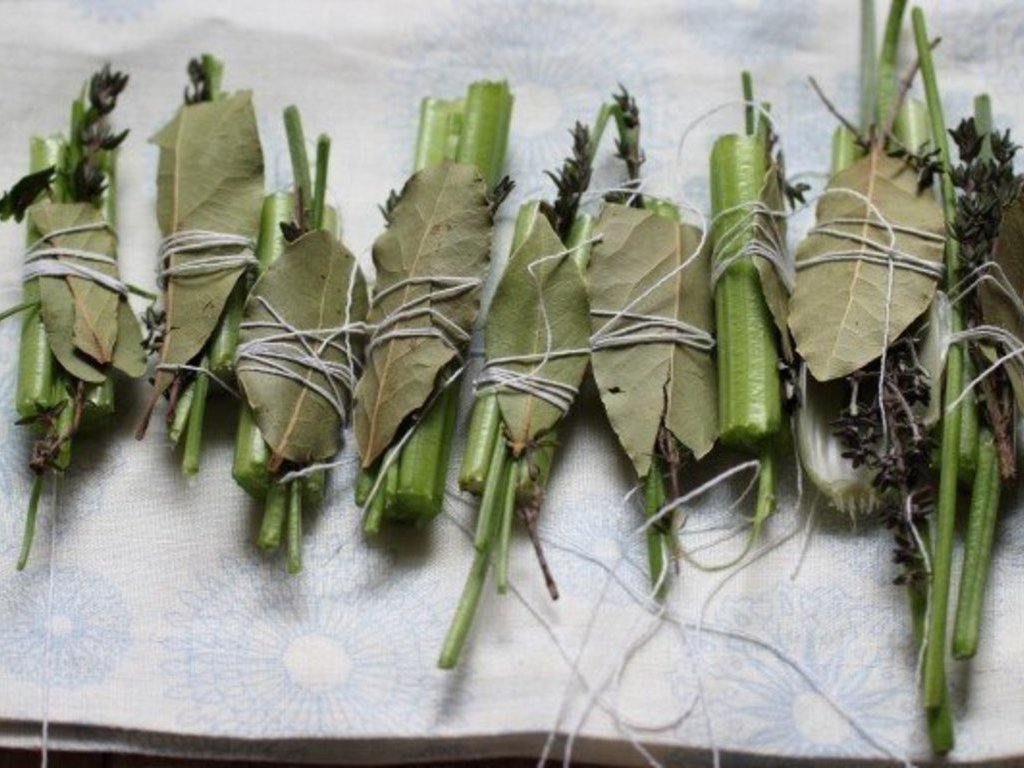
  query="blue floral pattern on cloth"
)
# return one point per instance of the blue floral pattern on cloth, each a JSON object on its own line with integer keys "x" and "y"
{"x": 90, "y": 626}
{"x": 344, "y": 646}
{"x": 763, "y": 703}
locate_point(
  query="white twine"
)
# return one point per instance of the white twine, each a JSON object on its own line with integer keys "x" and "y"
{"x": 643, "y": 328}
{"x": 45, "y": 260}
{"x": 764, "y": 241}
{"x": 992, "y": 333}
{"x": 275, "y": 354}
{"x": 446, "y": 330}
{"x": 193, "y": 240}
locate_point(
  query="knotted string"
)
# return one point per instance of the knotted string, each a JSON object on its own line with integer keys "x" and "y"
{"x": 497, "y": 377}
{"x": 42, "y": 259}
{"x": 193, "y": 240}
{"x": 643, "y": 328}
{"x": 443, "y": 328}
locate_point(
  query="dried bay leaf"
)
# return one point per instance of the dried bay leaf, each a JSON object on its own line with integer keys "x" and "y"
{"x": 309, "y": 287}
{"x": 538, "y": 311}
{"x": 838, "y": 310}
{"x": 440, "y": 227}
{"x": 997, "y": 308}
{"x": 210, "y": 177}
{"x": 646, "y": 386}
{"x": 88, "y": 325}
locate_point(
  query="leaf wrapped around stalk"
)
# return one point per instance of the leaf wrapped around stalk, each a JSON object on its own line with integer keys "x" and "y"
{"x": 298, "y": 385}
{"x": 210, "y": 180}
{"x": 1002, "y": 296}
{"x": 841, "y": 312}
{"x": 430, "y": 265}
{"x": 90, "y": 327}
{"x": 537, "y": 336}
{"x": 645, "y": 385}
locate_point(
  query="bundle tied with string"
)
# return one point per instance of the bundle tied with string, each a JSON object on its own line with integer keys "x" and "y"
{"x": 90, "y": 326}
{"x": 430, "y": 265}
{"x": 536, "y": 338}
{"x": 868, "y": 268}
{"x": 300, "y": 349}
{"x": 652, "y": 323}
{"x": 209, "y": 197}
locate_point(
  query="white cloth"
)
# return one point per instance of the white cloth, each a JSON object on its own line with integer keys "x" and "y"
{"x": 169, "y": 633}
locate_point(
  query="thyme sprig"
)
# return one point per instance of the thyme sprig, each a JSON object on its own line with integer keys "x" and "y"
{"x": 571, "y": 181}
{"x": 84, "y": 173}
{"x": 986, "y": 183}
{"x": 885, "y": 432}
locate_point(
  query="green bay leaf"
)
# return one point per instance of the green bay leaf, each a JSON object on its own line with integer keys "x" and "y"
{"x": 539, "y": 307}
{"x": 647, "y": 386}
{"x": 80, "y": 315}
{"x": 210, "y": 177}
{"x": 440, "y": 227}
{"x": 841, "y": 314}
{"x": 308, "y": 286}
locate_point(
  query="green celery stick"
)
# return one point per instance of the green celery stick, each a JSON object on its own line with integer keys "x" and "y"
{"x": 192, "y": 454}
{"x": 182, "y": 408}
{"x": 275, "y": 510}
{"x": 749, "y": 403}
{"x": 294, "y": 533}
{"x": 981, "y": 526}
{"x": 654, "y": 500}
{"x": 424, "y": 458}
{"x": 490, "y": 502}
{"x": 36, "y": 365}
{"x": 484, "y": 425}
{"x": 504, "y": 523}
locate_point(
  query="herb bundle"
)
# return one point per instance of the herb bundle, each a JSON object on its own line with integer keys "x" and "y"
{"x": 430, "y": 264}
{"x": 903, "y": 354}
{"x": 78, "y": 327}
{"x": 751, "y": 291}
{"x": 652, "y": 324}
{"x": 209, "y": 196}
{"x": 299, "y": 351}
{"x": 536, "y": 354}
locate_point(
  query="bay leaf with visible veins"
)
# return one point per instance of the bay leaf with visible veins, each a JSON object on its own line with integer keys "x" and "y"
{"x": 309, "y": 287}
{"x": 998, "y": 308}
{"x": 210, "y": 177}
{"x": 440, "y": 227}
{"x": 537, "y": 311}
{"x": 83, "y": 319}
{"x": 646, "y": 386}
{"x": 838, "y": 312}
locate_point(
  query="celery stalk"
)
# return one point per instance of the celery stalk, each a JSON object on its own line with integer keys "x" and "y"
{"x": 749, "y": 403}
{"x": 981, "y": 526}
{"x": 483, "y": 137}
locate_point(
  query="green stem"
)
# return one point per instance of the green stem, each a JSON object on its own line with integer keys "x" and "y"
{"x": 275, "y": 509}
{"x": 889, "y": 60}
{"x": 868, "y": 66}
{"x": 191, "y": 455}
{"x": 484, "y": 425}
{"x": 981, "y": 526}
{"x": 30, "y": 522}
{"x": 749, "y": 113}
{"x": 942, "y": 558}
{"x": 654, "y": 500}
{"x": 604, "y": 114}
{"x": 844, "y": 149}
{"x": 940, "y": 720}
{"x": 300, "y": 160}
{"x": 11, "y": 311}
{"x": 508, "y": 513}
{"x": 294, "y": 534}
{"x": 182, "y": 408}
{"x": 440, "y": 128}
{"x": 458, "y": 631}
{"x": 488, "y": 116}
{"x": 213, "y": 68}
{"x": 323, "y": 154}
